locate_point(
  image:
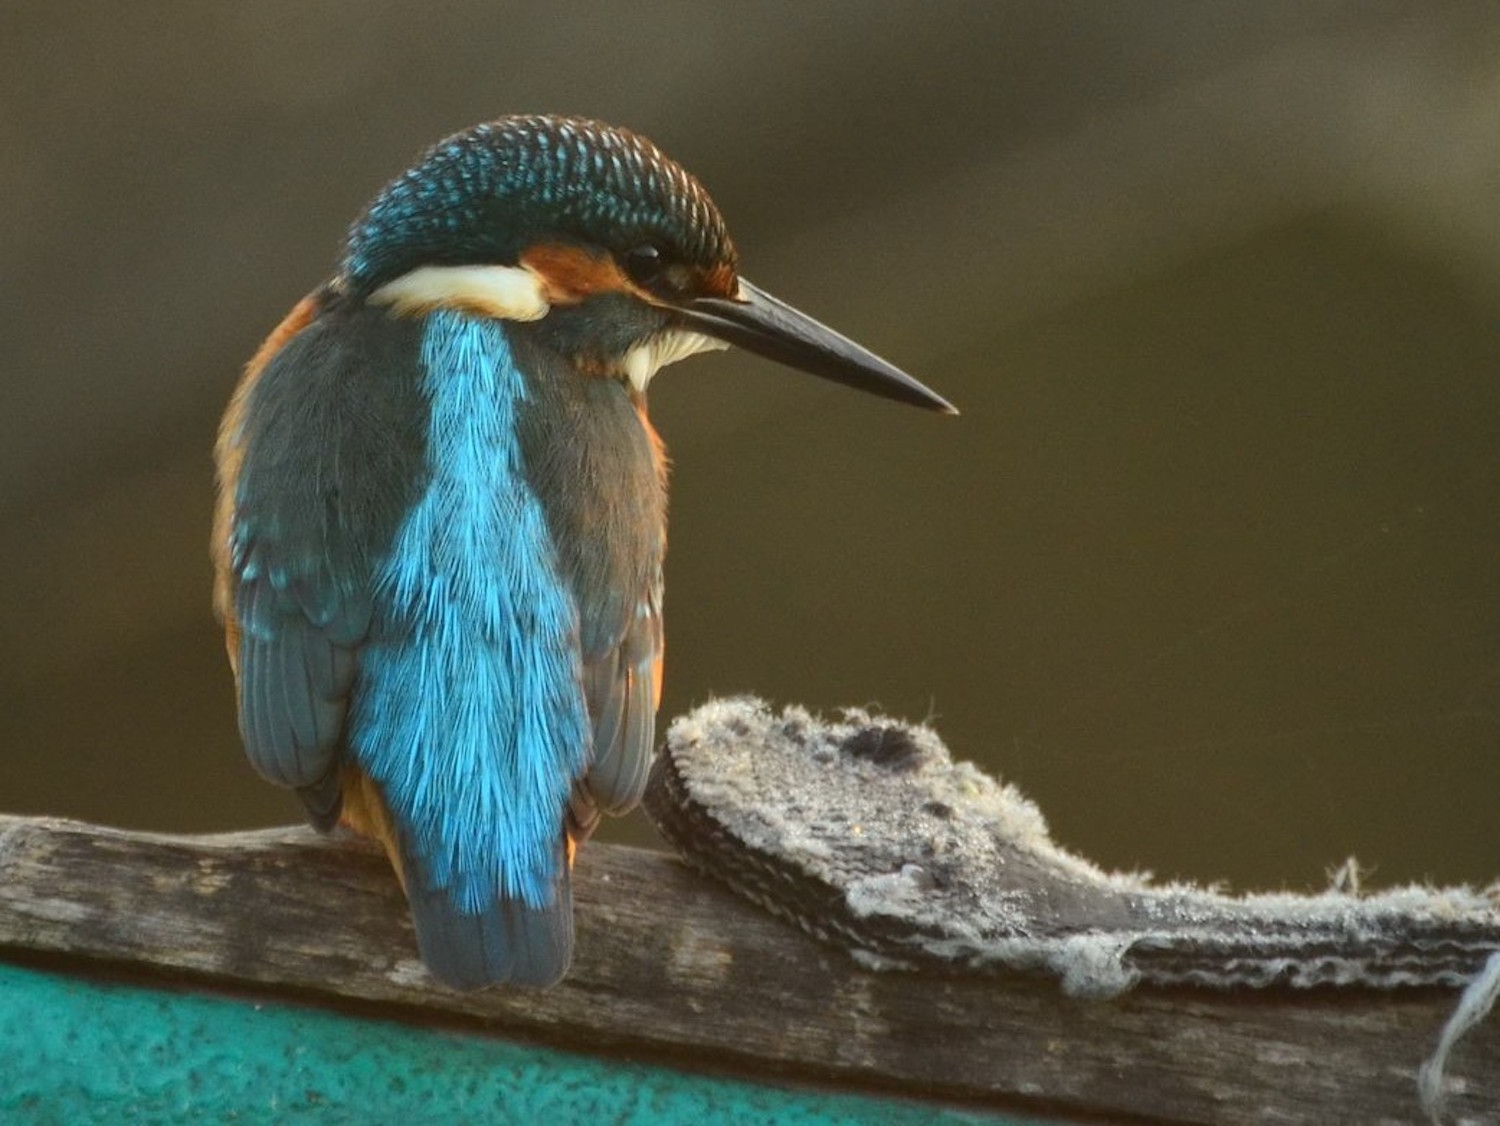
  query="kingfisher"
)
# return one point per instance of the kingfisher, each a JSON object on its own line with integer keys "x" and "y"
{"x": 441, "y": 516}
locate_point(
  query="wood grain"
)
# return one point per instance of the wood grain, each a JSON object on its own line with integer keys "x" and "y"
{"x": 673, "y": 968}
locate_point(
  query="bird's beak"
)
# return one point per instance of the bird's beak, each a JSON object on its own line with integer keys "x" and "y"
{"x": 759, "y": 323}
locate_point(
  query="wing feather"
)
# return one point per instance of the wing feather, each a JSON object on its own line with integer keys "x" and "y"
{"x": 293, "y": 537}
{"x": 622, "y": 690}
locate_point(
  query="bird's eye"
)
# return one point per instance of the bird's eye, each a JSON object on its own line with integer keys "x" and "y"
{"x": 644, "y": 265}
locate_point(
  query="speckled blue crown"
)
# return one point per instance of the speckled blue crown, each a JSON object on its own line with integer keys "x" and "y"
{"x": 488, "y": 193}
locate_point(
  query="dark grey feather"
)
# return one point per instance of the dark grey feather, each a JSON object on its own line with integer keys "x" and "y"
{"x": 507, "y": 941}
{"x": 323, "y": 801}
{"x": 622, "y": 762}
{"x": 331, "y": 441}
{"x": 582, "y": 816}
{"x": 589, "y": 459}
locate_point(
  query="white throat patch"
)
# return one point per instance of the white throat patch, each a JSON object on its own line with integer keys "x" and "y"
{"x": 645, "y": 360}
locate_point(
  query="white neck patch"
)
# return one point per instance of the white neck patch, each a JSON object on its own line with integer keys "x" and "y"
{"x": 509, "y": 293}
{"x": 645, "y": 360}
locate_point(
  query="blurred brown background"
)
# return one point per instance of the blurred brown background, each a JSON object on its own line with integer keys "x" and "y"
{"x": 1210, "y": 565}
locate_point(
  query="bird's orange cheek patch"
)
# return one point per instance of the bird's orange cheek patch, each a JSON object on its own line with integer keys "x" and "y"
{"x": 570, "y": 273}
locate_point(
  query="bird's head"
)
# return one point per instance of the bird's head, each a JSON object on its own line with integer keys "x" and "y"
{"x": 613, "y": 249}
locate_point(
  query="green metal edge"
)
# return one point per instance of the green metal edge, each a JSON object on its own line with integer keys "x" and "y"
{"x": 78, "y": 1051}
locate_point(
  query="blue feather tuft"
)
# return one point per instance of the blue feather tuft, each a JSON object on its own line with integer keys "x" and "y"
{"x": 470, "y": 711}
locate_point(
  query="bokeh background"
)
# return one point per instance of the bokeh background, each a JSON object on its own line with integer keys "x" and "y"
{"x": 1210, "y": 565}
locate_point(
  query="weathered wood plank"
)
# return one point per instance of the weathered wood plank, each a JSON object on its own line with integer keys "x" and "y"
{"x": 671, "y": 965}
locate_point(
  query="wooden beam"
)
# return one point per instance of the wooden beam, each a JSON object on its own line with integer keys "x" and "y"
{"x": 670, "y": 966}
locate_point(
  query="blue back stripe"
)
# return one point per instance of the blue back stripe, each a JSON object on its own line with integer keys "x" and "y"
{"x": 470, "y": 712}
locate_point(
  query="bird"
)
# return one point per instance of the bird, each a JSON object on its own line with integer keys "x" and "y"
{"x": 441, "y": 516}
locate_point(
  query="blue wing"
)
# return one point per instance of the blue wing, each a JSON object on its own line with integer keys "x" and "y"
{"x": 296, "y": 667}
{"x": 294, "y": 533}
{"x": 622, "y": 689}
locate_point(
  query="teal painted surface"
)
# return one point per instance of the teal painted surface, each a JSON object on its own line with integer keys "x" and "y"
{"x": 77, "y": 1052}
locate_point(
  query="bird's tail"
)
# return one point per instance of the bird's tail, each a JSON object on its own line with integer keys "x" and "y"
{"x": 507, "y": 942}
